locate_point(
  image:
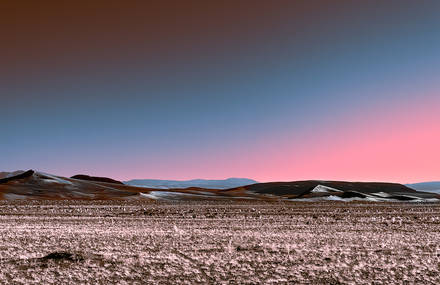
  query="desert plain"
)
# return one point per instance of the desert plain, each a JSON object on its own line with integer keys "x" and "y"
{"x": 219, "y": 242}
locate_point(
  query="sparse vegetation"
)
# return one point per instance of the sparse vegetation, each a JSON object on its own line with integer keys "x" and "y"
{"x": 219, "y": 242}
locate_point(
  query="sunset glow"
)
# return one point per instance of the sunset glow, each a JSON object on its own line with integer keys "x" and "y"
{"x": 263, "y": 90}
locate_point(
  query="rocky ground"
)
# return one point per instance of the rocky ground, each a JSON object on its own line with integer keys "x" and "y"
{"x": 136, "y": 242}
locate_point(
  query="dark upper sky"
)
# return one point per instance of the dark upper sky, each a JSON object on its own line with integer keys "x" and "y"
{"x": 271, "y": 90}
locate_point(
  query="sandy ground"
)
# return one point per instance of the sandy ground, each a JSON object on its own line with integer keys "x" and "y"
{"x": 219, "y": 243}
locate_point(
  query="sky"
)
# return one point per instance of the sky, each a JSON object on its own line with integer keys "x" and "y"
{"x": 268, "y": 90}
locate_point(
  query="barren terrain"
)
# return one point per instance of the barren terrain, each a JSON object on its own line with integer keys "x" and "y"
{"x": 35, "y": 185}
{"x": 219, "y": 242}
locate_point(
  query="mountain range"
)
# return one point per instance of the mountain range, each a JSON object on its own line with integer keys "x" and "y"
{"x": 39, "y": 185}
{"x": 433, "y": 187}
{"x": 202, "y": 183}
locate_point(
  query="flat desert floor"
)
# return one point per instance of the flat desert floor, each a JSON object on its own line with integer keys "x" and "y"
{"x": 72, "y": 242}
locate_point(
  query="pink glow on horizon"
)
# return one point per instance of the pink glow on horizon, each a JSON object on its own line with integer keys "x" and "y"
{"x": 400, "y": 145}
{"x": 382, "y": 144}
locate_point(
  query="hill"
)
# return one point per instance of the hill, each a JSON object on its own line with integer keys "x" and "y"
{"x": 96, "y": 179}
{"x": 38, "y": 185}
{"x": 337, "y": 190}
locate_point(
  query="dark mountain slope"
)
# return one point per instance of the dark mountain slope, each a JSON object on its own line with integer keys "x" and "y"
{"x": 299, "y": 189}
{"x": 96, "y": 179}
{"x": 303, "y": 187}
{"x": 18, "y": 176}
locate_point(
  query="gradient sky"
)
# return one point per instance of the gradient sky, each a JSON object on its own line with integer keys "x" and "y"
{"x": 269, "y": 90}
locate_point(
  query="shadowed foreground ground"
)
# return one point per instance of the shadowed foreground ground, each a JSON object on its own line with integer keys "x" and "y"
{"x": 219, "y": 242}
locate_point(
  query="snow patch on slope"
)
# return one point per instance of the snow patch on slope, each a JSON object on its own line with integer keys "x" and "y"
{"x": 324, "y": 189}
{"x": 54, "y": 179}
{"x": 167, "y": 195}
{"x": 11, "y": 196}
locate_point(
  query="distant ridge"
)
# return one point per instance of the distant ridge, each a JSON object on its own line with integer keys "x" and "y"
{"x": 95, "y": 178}
{"x": 433, "y": 186}
{"x": 201, "y": 183}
